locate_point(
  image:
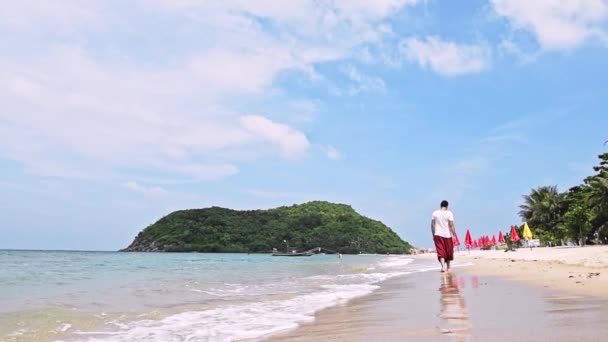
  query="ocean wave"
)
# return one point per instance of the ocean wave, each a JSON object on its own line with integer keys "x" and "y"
{"x": 395, "y": 261}
{"x": 254, "y": 320}
{"x": 235, "y": 322}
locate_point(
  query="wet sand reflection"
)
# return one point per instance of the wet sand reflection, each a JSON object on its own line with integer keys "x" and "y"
{"x": 453, "y": 316}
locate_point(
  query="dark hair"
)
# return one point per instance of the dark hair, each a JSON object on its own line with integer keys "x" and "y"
{"x": 444, "y": 204}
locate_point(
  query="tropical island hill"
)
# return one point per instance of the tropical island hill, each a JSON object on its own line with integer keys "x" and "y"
{"x": 336, "y": 227}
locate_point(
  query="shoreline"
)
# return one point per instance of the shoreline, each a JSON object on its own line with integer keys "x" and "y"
{"x": 487, "y": 300}
{"x": 367, "y": 318}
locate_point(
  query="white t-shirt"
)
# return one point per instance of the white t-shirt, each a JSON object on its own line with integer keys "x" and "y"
{"x": 442, "y": 219}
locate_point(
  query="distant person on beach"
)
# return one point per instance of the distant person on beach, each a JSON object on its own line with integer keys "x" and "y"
{"x": 442, "y": 226}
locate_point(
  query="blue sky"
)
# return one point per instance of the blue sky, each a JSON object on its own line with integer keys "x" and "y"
{"x": 115, "y": 113}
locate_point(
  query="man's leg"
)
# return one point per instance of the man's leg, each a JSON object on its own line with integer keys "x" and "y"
{"x": 449, "y": 252}
{"x": 442, "y": 262}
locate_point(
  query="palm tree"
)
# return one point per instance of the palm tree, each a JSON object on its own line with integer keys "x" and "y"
{"x": 541, "y": 202}
{"x": 598, "y": 195}
{"x": 542, "y": 209}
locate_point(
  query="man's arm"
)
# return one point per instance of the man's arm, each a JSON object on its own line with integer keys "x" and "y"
{"x": 451, "y": 224}
{"x": 433, "y": 226}
{"x": 452, "y": 228}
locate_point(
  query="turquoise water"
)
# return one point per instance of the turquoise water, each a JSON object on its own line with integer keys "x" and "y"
{"x": 106, "y": 296}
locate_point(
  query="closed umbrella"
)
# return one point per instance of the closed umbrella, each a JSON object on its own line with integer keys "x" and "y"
{"x": 493, "y": 240}
{"x": 527, "y": 234}
{"x": 514, "y": 235}
{"x": 501, "y": 238}
{"x": 456, "y": 240}
{"x": 468, "y": 240}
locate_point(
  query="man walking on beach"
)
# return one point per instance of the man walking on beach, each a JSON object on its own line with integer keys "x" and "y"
{"x": 442, "y": 226}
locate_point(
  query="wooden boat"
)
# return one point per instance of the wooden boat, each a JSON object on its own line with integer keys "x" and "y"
{"x": 292, "y": 254}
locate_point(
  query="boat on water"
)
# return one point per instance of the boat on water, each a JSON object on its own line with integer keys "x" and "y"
{"x": 292, "y": 254}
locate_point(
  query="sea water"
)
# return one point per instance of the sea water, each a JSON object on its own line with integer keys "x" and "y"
{"x": 107, "y": 296}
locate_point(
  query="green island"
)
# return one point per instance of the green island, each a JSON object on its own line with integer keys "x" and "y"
{"x": 335, "y": 227}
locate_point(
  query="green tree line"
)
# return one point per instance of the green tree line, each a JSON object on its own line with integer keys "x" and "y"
{"x": 579, "y": 214}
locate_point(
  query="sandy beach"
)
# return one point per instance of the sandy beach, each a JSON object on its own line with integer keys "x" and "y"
{"x": 581, "y": 271}
{"x": 557, "y": 294}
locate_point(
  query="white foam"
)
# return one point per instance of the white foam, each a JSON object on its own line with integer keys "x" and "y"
{"x": 17, "y": 333}
{"x": 395, "y": 262}
{"x": 61, "y": 329}
{"x": 254, "y": 320}
{"x": 237, "y": 322}
{"x": 370, "y": 278}
{"x": 251, "y": 290}
{"x": 64, "y": 327}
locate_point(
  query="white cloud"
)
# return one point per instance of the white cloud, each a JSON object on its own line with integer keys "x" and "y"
{"x": 374, "y": 9}
{"x": 460, "y": 177}
{"x": 292, "y": 143}
{"x": 303, "y": 111}
{"x": 146, "y": 190}
{"x": 362, "y": 83}
{"x": 510, "y": 47}
{"x": 340, "y": 24}
{"x": 204, "y": 171}
{"x": 67, "y": 16}
{"x": 120, "y": 117}
{"x": 250, "y": 71}
{"x": 446, "y": 58}
{"x": 77, "y": 110}
{"x": 332, "y": 153}
{"x": 557, "y": 24}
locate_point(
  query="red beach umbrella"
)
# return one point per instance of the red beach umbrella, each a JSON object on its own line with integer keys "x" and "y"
{"x": 456, "y": 240}
{"x": 468, "y": 240}
{"x": 475, "y": 244}
{"x": 514, "y": 235}
{"x": 501, "y": 237}
{"x": 493, "y": 240}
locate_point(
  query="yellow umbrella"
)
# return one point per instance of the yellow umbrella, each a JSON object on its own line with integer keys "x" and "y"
{"x": 527, "y": 232}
